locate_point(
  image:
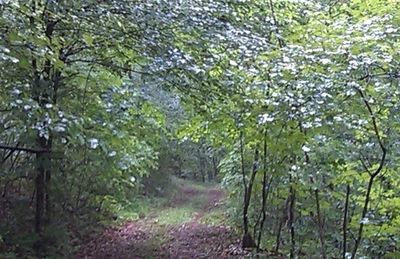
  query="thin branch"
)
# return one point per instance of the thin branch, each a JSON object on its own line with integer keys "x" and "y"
{"x": 280, "y": 41}
{"x": 242, "y": 163}
{"x": 372, "y": 175}
{"x": 24, "y": 149}
{"x": 108, "y": 65}
{"x": 365, "y": 167}
{"x": 373, "y": 118}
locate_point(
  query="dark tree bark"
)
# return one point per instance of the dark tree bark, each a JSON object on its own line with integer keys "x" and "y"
{"x": 201, "y": 165}
{"x": 42, "y": 215}
{"x": 215, "y": 167}
{"x": 40, "y": 193}
{"x": 372, "y": 175}
{"x": 247, "y": 241}
{"x": 345, "y": 219}
{"x": 282, "y": 220}
{"x": 292, "y": 200}
{"x": 266, "y": 183}
{"x": 321, "y": 227}
{"x": 45, "y": 84}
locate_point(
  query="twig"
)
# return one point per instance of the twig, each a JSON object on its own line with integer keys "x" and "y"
{"x": 24, "y": 149}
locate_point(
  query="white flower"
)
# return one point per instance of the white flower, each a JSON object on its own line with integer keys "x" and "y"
{"x": 232, "y": 63}
{"x": 59, "y": 128}
{"x": 93, "y": 143}
{"x": 265, "y": 118}
{"x": 325, "y": 61}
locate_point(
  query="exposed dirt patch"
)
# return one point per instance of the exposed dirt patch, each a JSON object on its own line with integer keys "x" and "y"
{"x": 194, "y": 240}
{"x": 117, "y": 242}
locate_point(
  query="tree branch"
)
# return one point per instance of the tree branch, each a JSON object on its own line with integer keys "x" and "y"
{"x": 23, "y": 149}
{"x": 372, "y": 175}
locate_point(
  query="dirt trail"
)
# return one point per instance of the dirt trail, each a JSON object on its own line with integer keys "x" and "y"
{"x": 147, "y": 239}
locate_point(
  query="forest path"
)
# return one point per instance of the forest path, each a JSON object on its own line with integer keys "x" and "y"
{"x": 177, "y": 230}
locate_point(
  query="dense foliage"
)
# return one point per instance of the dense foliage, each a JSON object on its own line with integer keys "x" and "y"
{"x": 293, "y": 105}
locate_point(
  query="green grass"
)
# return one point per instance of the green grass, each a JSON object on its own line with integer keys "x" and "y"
{"x": 198, "y": 202}
{"x": 171, "y": 216}
{"x": 180, "y": 183}
{"x": 139, "y": 208}
{"x": 181, "y": 213}
{"x": 165, "y": 211}
{"x": 215, "y": 217}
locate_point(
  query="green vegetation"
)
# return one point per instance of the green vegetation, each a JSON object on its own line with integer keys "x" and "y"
{"x": 215, "y": 218}
{"x": 110, "y": 110}
{"x": 180, "y": 205}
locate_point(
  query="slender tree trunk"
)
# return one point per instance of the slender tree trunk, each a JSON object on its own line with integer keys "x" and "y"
{"x": 215, "y": 166}
{"x": 320, "y": 225}
{"x": 263, "y": 211}
{"x": 40, "y": 204}
{"x": 255, "y": 227}
{"x": 282, "y": 220}
{"x": 345, "y": 216}
{"x": 201, "y": 165}
{"x": 40, "y": 194}
{"x": 245, "y": 219}
{"x": 265, "y": 192}
{"x": 44, "y": 97}
{"x": 48, "y": 206}
{"x": 247, "y": 241}
{"x": 279, "y": 231}
{"x": 292, "y": 199}
{"x": 363, "y": 215}
{"x": 372, "y": 175}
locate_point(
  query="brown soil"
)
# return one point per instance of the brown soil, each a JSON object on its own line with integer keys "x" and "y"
{"x": 146, "y": 239}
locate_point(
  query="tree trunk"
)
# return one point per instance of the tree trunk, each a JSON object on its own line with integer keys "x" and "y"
{"x": 320, "y": 222}
{"x": 215, "y": 167}
{"x": 345, "y": 216}
{"x": 201, "y": 165}
{"x": 363, "y": 215}
{"x": 278, "y": 234}
{"x": 265, "y": 191}
{"x": 247, "y": 241}
{"x": 48, "y": 207}
{"x": 40, "y": 193}
{"x": 292, "y": 199}
{"x": 372, "y": 175}
{"x": 40, "y": 204}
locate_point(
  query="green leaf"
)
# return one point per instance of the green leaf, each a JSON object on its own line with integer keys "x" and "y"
{"x": 88, "y": 39}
